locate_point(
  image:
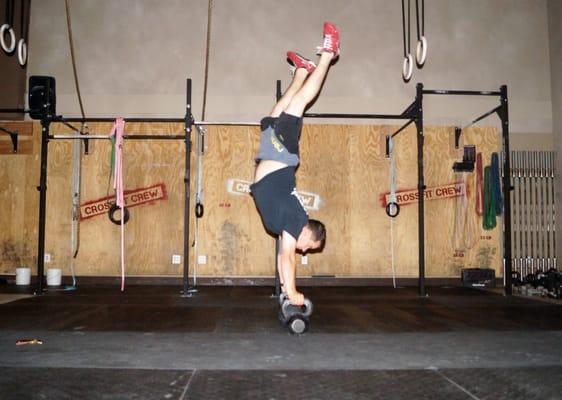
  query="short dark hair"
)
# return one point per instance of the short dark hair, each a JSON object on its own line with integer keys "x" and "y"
{"x": 318, "y": 230}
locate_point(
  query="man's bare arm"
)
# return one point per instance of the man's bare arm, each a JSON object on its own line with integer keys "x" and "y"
{"x": 288, "y": 268}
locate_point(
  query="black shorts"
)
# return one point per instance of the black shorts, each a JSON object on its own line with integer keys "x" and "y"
{"x": 287, "y": 129}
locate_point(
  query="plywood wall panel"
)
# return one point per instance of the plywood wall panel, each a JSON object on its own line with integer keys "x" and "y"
{"x": 324, "y": 170}
{"x": 345, "y": 165}
{"x": 231, "y": 235}
{"x": 17, "y": 192}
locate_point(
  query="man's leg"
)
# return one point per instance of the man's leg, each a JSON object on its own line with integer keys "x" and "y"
{"x": 330, "y": 48}
{"x": 311, "y": 88}
{"x": 302, "y": 67}
{"x": 298, "y": 79}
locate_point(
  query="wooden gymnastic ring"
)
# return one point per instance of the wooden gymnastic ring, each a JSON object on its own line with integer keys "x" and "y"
{"x": 407, "y": 67}
{"x": 12, "y": 46}
{"x": 199, "y": 209}
{"x": 389, "y": 207}
{"x": 421, "y": 51}
{"x": 124, "y": 214}
{"x": 22, "y": 52}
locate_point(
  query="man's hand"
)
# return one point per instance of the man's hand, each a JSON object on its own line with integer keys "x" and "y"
{"x": 296, "y": 298}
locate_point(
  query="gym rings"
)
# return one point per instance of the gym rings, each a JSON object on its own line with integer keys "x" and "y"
{"x": 392, "y": 209}
{"x": 421, "y": 55}
{"x": 421, "y": 51}
{"x": 10, "y": 45}
{"x": 124, "y": 214}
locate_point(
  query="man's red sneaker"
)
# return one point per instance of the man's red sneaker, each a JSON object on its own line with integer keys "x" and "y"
{"x": 331, "y": 42}
{"x": 299, "y": 61}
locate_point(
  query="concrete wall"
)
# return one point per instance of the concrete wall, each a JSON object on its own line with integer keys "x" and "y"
{"x": 555, "y": 36}
{"x": 133, "y": 56}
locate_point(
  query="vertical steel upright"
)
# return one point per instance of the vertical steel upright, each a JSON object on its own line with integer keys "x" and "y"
{"x": 188, "y": 122}
{"x": 46, "y": 119}
{"x": 277, "y": 290}
{"x": 421, "y": 188}
{"x": 45, "y": 122}
{"x": 506, "y": 187}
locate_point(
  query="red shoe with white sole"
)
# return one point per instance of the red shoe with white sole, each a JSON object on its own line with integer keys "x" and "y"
{"x": 299, "y": 61}
{"x": 331, "y": 42}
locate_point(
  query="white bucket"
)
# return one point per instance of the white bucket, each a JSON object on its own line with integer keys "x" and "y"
{"x": 23, "y": 276}
{"x": 54, "y": 277}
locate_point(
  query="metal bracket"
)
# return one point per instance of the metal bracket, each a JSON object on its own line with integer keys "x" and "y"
{"x": 458, "y": 133}
{"x": 14, "y": 137}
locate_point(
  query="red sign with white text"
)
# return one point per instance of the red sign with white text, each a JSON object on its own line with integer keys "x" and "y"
{"x": 133, "y": 198}
{"x": 410, "y": 196}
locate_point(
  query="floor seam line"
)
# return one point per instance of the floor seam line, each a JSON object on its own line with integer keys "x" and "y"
{"x": 458, "y": 386}
{"x": 182, "y": 397}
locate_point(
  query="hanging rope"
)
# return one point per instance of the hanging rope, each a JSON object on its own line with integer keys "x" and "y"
{"x": 77, "y": 170}
{"x": 199, "y": 208}
{"x": 73, "y": 58}
{"x": 75, "y": 195}
{"x": 207, "y": 54}
{"x": 8, "y": 27}
{"x": 479, "y": 186}
{"x": 392, "y": 203}
{"x": 117, "y": 133}
{"x": 392, "y": 207}
{"x": 421, "y": 48}
{"x": 24, "y": 26}
{"x": 460, "y": 215}
{"x": 200, "y": 146}
{"x": 408, "y": 64}
{"x": 496, "y": 183}
{"x": 489, "y": 220}
{"x": 471, "y": 221}
{"x": 464, "y": 229}
{"x": 12, "y": 7}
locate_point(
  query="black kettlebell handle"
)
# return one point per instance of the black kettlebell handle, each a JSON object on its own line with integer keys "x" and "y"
{"x": 307, "y": 307}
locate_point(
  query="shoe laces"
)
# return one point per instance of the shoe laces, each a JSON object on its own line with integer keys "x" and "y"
{"x": 328, "y": 42}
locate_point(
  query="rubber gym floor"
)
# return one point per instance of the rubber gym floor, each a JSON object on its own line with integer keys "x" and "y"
{"x": 227, "y": 343}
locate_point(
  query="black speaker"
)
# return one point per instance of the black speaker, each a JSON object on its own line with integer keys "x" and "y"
{"x": 478, "y": 277}
{"x": 42, "y": 97}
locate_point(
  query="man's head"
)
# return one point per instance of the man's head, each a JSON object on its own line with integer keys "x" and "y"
{"x": 312, "y": 237}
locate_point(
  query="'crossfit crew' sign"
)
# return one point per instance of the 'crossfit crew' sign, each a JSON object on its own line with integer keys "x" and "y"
{"x": 409, "y": 196}
{"x": 309, "y": 201}
{"x": 133, "y": 198}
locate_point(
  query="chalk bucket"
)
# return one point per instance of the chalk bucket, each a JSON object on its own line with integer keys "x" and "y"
{"x": 54, "y": 277}
{"x": 23, "y": 276}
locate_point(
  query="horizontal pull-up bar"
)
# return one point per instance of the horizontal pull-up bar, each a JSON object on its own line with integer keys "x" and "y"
{"x": 133, "y": 119}
{"x": 464, "y": 92}
{"x": 149, "y": 120}
{"x": 357, "y": 116}
{"x": 233, "y": 123}
{"x": 128, "y": 137}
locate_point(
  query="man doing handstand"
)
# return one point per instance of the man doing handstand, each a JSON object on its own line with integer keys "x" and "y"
{"x": 273, "y": 189}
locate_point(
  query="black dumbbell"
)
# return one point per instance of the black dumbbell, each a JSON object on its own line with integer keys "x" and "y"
{"x": 296, "y": 318}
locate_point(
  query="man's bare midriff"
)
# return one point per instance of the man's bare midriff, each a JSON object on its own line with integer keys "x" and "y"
{"x": 266, "y": 167}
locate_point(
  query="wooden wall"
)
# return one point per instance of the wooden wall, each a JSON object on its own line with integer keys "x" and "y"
{"x": 19, "y": 177}
{"x": 344, "y": 165}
